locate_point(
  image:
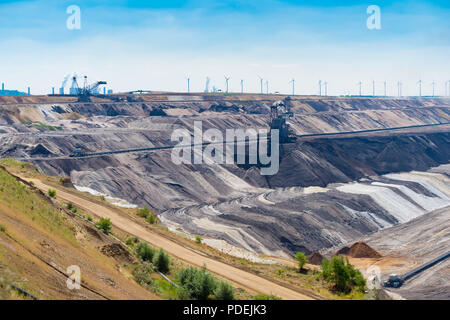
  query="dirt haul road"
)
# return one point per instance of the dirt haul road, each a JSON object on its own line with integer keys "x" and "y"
{"x": 245, "y": 279}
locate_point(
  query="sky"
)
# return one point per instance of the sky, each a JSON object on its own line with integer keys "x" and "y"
{"x": 157, "y": 45}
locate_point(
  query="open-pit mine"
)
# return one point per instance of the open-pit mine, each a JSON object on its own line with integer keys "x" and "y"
{"x": 358, "y": 169}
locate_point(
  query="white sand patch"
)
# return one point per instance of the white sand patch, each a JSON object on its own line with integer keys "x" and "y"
{"x": 47, "y": 112}
{"x": 428, "y": 203}
{"x": 396, "y": 205}
{"x": 238, "y": 235}
{"x": 211, "y": 211}
{"x": 369, "y": 216}
{"x": 115, "y": 201}
{"x": 332, "y": 236}
{"x": 436, "y": 183}
{"x": 262, "y": 199}
{"x": 310, "y": 190}
{"x": 234, "y": 251}
{"x": 233, "y": 181}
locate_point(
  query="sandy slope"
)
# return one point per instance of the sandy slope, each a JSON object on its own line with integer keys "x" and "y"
{"x": 240, "y": 277}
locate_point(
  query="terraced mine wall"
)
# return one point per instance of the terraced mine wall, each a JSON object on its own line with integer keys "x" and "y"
{"x": 318, "y": 203}
{"x": 323, "y": 161}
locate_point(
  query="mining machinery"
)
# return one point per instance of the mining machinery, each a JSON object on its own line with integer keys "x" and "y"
{"x": 279, "y": 115}
{"x": 396, "y": 281}
{"x": 86, "y": 91}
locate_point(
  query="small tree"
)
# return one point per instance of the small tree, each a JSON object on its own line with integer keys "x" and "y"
{"x": 129, "y": 242}
{"x": 51, "y": 193}
{"x": 143, "y": 212}
{"x": 301, "y": 259}
{"x": 342, "y": 274}
{"x": 145, "y": 252}
{"x": 104, "y": 224}
{"x": 195, "y": 284}
{"x": 198, "y": 239}
{"x": 161, "y": 261}
{"x": 151, "y": 218}
{"x": 70, "y": 205}
{"x": 224, "y": 291}
{"x": 143, "y": 275}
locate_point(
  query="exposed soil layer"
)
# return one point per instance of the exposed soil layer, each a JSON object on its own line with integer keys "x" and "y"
{"x": 315, "y": 258}
{"x": 410, "y": 245}
{"x": 263, "y": 214}
{"x": 118, "y": 252}
{"x": 359, "y": 250}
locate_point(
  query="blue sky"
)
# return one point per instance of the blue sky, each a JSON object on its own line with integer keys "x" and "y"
{"x": 157, "y": 44}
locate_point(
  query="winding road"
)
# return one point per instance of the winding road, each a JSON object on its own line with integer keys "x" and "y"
{"x": 240, "y": 277}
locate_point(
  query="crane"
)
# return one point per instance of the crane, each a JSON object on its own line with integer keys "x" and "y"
{"x": 86, "y": 91}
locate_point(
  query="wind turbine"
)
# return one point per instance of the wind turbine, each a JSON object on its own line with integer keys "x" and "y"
{"x": 320, "y": 87}
{"x": 293, "y": 86}
{"x": 373, "y": 88}
{"x": 399, "y": 88}
{"x": 360, "y": 88}
{"x": 385, "y": 91}
{"x": 433, "y": 84}
{"x": 326, "y": 88}
{"x": 267, "y": 86}
{"x": 420, "y": 87}
{"x": 261, "y": 83}
{"x": 226, "y": 80}
{"x": 207, "y": 84}
{"x": 242, "y": 86}
{"x": 188, "y": 84}
{"x": 447, "y": 83}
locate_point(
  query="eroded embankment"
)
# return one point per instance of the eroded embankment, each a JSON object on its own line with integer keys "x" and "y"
{"x": 287, "y": 220}
{"x": 185, "y": 190}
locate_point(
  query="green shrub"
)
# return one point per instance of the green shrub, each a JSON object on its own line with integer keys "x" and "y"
{"x": 104, "y": 224}
{"x": 224, "y": 291}
{"x": 342, "y": 274}
{"x": 135, "y": 239}
{"x": 301, "y": 259}
{"x": 198, "y": 239}
{"x": 2, "y": 228}
{"x": 145, "y": 252}
{"x": 89, "y": 218}
{"x": 143, "y": 275}
{"x": 102, "y": 198}
{"x": 195, "y": 284}
{"x": 280, "y": 272}
{"x": 70, "y": 206}
{"x": 143, "y": 212}
{"x": 151, "y": 218}
{"x": 161, "y": 261}
{"x": 51, "y": 193}
{"x": 129, "y": 242}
